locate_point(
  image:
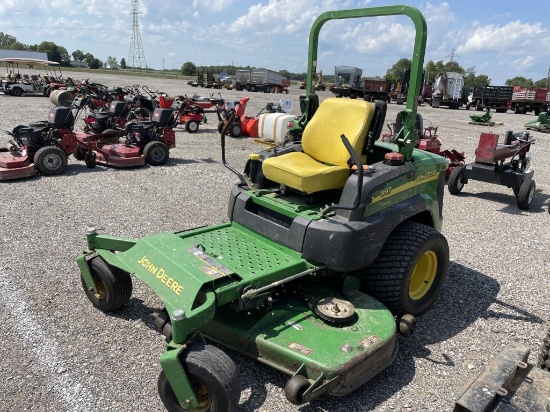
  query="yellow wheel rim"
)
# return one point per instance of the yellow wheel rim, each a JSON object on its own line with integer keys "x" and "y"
{"x": 423, "y": 275}
{"x": 101, "y": 292}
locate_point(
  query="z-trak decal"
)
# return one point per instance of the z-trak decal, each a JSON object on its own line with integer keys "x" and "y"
{"x": 420, "y": 179}
{"x": 161, "y": 275}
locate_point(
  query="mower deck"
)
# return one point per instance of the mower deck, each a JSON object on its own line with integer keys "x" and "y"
{"x": 15, "y": 165}
{"x": 119, "y": 155}
{"x": 235, "y": 264}
{"x": 295, "y": 340}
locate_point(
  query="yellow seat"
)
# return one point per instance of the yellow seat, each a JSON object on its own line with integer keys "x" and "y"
{"x": 323, "y": 163}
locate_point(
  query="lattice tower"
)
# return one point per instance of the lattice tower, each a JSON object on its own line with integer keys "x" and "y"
{"x": 136, "y": 57}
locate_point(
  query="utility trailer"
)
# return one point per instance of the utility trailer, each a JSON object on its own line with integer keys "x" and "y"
{"x": 376, "y": 89}
{"x": 348, "y": 82}
{"x": 497, "y": 98}
{"x": 447, "y": 90}
{"x": 525, "y": 100}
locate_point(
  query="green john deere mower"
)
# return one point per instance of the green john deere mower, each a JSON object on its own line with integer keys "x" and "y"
{"x": 332, "y": 248}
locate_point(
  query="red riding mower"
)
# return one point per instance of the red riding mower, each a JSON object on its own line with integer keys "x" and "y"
{"x": 42, "y": 146}
{"x": 490, "y": 166}
{"x": 45, "y": 146}
{"x": 190, "y": 111}
{"x": 141, "y": 142}
{"x": 429, "y": 140}
{"x": 119, "y": 113}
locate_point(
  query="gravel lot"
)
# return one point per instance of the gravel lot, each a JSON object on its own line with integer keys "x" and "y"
{"x": 58, "y": 353}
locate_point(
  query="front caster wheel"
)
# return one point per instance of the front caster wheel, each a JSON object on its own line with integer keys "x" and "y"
{"x": 295, "y": 388}
{"x": 114, "y": 286}
{"x": 213, "y": 377}
{"x": 455, "y": 184}
{"x": 526, "y": 194}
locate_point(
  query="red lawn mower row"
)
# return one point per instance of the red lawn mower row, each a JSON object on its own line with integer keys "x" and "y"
{"x": 45, "y": 146}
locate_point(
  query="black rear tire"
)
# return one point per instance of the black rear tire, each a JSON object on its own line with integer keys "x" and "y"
{"x": 213, "y": 376}
{"x": 50, "y": 160}
{"x": 114, "y": 286}
{"x": 526, "y": 194}
{"x": 455, "y": 183}
{"x": 156, "y": 153}
{"x": 410, "y": 270}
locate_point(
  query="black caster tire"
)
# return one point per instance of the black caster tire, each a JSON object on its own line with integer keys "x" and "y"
{"x": 114, "y": 286}
{"x": 526, "y": 194}
{"x": 213, "y": 376}
{"x": 295, "y": 388}
{"x": 455, "y": 183}
{"x": 90, "y": 159}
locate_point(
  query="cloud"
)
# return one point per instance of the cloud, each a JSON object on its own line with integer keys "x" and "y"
{"x": 510, "y": 38}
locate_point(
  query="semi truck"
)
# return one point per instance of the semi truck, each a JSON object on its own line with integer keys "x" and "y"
{"x": 447, "y": 90}
{"x": 261, "y": 80}
{"x": 497, "y": 98}
{"x": 526, "y": 100}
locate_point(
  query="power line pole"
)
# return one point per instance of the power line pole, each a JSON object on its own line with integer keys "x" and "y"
{"x": 136, "y": 57}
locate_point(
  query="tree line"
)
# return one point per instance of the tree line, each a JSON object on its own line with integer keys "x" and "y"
{"x": 394, "y": 74}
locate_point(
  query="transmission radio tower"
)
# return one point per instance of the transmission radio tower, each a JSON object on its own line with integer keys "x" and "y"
{"x": 136, "y": 58}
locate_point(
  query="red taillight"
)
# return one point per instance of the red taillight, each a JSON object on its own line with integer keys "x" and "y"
{"x": 290, "y": 124}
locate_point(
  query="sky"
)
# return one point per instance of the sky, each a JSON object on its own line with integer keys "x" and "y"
{"x": 499, "y": 38}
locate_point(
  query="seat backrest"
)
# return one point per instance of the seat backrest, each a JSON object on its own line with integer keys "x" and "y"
{"x": 321, "y": 138}
{"x": 398, "y": 125}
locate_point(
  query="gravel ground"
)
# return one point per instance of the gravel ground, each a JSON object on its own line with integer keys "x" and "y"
{"x": 60, "y": 354}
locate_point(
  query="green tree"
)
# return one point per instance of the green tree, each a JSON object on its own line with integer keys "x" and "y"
{"x": 472, "y": 81}
{"x": 111, "y": 62}
{"x": 542, "y": 83}
{"x": 188, "y": 69}
{"x": 78, "y": 56}
{"x": 395, "y": 73}
{"x": 51, "y": 49}
{"x": 65, "y": 57}
{"x": 6, "y": 40}
{"x": 123, "y": 63}
{"x": 519, "y": 81}
{"x": 285, "y": 74}
{"x": 95, "y": 63}
{"x": 17, "y": 46}
{"x": 89, "y": 59}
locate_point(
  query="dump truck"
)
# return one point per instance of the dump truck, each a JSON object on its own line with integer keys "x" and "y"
{"x": 348, "y": 82}
{"x": 376, "y": 89}
{"x": 447, "y": 90}
{"x": 525, "y": 100}
{"x": 260, "y": 80}
{"x": 497, "y": 98}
